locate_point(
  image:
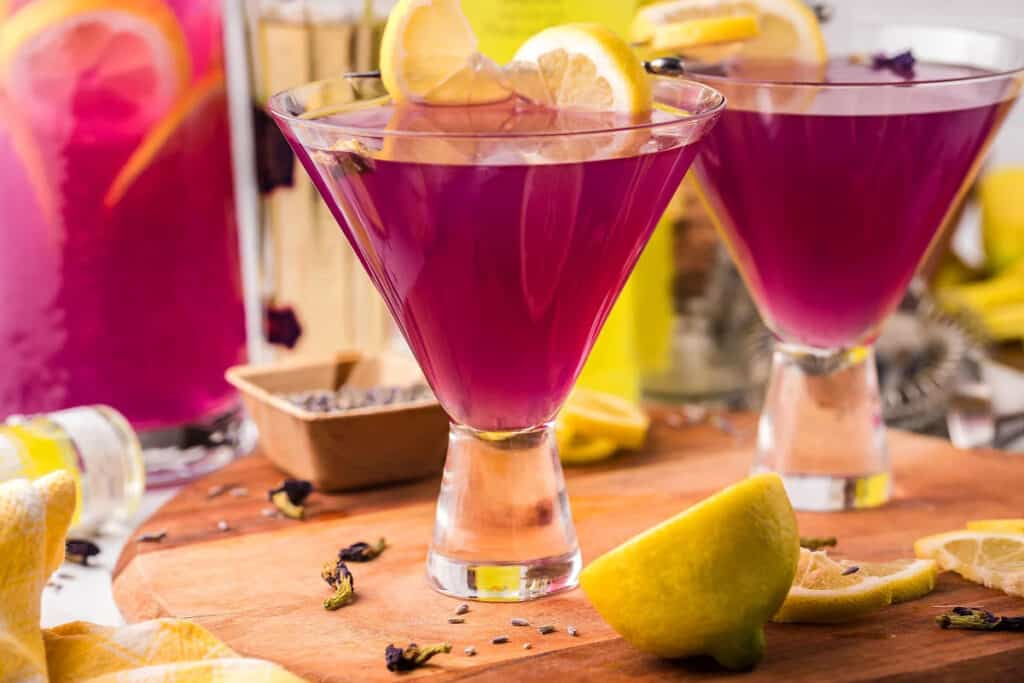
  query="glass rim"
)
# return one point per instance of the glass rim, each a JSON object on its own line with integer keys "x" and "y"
{"x": 274, "y": 106}
{"x": 734, "y": 81}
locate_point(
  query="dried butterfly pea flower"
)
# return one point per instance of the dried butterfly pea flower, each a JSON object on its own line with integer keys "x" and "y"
{"x": 412, "y": 657}
{"x": 289, "y": 497}
{"x": 977, "y": 619}
{"x": 79, "y": 551}
{"x": 362, "y": 551}
{"x": 341, "y": 580}
{"x": 901, "y": 64}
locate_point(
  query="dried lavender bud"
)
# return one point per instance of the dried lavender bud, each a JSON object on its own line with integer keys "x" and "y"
{"x": 216, "y": 490}
{"x": 456, "y": 620}
{"x": 55, "y": 586}
{"x": 222, "y": 525}
{"x": 344, "y": 584}
{"x": 852, "y": 569}
{"x": 470, "y": 651}
{"x": 297, "y": 490}
{"x": 462, "y": 609}
{"x": 239, "y": 492}
{"x": 157, "y": 537}
{"x": 348, "y": 398}
{"x": 901, "y": 64}
{"x": 269, "y": 512}
{"x": 413, "y": 656}
{"x": 499, "y": 640}
{"x": 527, "y": 646}
{"x": 977, "y": 619}
{"x": 546, "y": 629}
{"x": 65, "y": 576}
{"x": 817, "y": 543}
{"x": 571, "y": 630}
{"x": 517, "y": 621}
{"x": 362, "y": 551}
{"x": 79, "y": 551}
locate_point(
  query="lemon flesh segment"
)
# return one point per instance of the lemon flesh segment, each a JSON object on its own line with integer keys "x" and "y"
{"x": 909, "y": 579}
{"x": 995, "y": 559}
{"x": 598, "y": 414}
{"x": 787, "y": 29}
{"x": 428, "y": 55}
{"x": 704, "y": 581}
{"x": 823, "y": 593}
{"x": 589, "y": 67}
{"x": 1010, "y": 526}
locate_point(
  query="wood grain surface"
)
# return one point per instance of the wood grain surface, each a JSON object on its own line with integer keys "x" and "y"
{"x": 258, "y": 587}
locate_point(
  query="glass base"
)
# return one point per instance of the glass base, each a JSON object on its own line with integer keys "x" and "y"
{"x": 177, "y": 455}
{"x": 503, "y": 529}
{"x": 821, "y": 429}
{"x": 516, "y": 582}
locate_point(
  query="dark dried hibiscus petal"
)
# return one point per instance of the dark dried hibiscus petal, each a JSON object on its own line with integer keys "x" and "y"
{"x": 282, "y": 326}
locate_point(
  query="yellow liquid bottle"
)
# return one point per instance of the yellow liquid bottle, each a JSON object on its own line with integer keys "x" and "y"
{"x": 503, "y": 25}
{"x": 95, "y": 444}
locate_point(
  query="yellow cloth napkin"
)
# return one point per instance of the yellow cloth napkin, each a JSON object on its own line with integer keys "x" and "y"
{"x": 34, "y": 519}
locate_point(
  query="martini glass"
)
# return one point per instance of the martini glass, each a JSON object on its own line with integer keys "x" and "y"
{"x": 828, "y": 184}
{"x": 499, "y": 236}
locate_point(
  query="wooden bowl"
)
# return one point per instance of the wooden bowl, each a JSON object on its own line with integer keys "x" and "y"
{"x": 344, "y": 450}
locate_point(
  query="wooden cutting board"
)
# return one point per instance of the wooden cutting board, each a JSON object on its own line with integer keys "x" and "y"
{"x": 258, "y": 585}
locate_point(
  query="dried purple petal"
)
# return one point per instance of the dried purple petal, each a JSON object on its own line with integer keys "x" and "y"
{"x": 412, "y": 657}
{"x": 297, "y": 490}
{"x": 362, "y": 551}
{"x": 79, "y": 550}
{"x": 281, "y": 326}
{"x": 901, "y": 64}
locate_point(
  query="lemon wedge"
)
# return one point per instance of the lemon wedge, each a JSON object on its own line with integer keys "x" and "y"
{"x": 824, "y": 592}
{"x": 600, "y": 415}
{"x": 428, "y": 55}
{"x": 585, "y": 66}
{"x": 994, "y": 559}
{"x": 760, "y": 29}
{"x": 1010, "y": 526}
{"x": 704, "y": 581}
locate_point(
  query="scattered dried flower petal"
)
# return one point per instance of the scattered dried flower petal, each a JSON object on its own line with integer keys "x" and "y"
{"x": 456, "y": 620}
{"x": 462, "y": 609}
{"x": 518, "y": 621}
{"x": 499, "y": 640}
{"x": 152, "y": 537}
{"x": 341, "y": 580}
{"x": 285, "y": 506}
{"x": 901, "y": 64}
{"x": 977, "y": 619}
{"x": 362, "y": 551}
{"x": 296, "y": 489}
{"x": 413, "y": 656}
{"x": 79, "y": 551}
{"x": 546, "y": 629}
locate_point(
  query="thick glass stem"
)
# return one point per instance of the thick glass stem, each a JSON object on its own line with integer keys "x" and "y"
{"x": 503, "y": 530}
{"x": 821, "y": 429}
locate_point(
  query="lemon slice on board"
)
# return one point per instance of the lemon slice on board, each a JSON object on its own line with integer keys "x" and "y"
{"x": 600, "y": 415}
{"x": 824, "y": 592}
{"x": 428, "y": 55}
{"x": 785, "y": 29}
{"x": 1010, "y": 526}
{"x": 585, "y": 66}
{"x": 995, "y": 559}
{"x": 909, "y": 579}
{"x": 704, "y": 581}
{"x": 128, "y": 57}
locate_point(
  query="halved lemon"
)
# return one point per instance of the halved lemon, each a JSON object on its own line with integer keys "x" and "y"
{"x": 600, "y": 415}
{"x": 994, "y": 559}
{"x": 428, "y": 54}
{"x": 587, "y": 66}
{"x": 785, "y": 29}
{"x": 193, "y": 100}
{"x": 122, "y": 61}
{"x": 824, "y": 592}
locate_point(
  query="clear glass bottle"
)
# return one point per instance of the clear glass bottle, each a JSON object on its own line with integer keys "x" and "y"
{"x": 95, "y": 444}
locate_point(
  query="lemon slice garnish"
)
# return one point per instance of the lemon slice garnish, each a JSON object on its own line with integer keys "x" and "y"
{"x": 759, "y": 29}
{"x": 1010, "y": 526}
{"x": 994, "y": 559}
{"x": 428, "y": 55}
{"x": 587, "y": 66}
{"x": 599, "y": 415}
